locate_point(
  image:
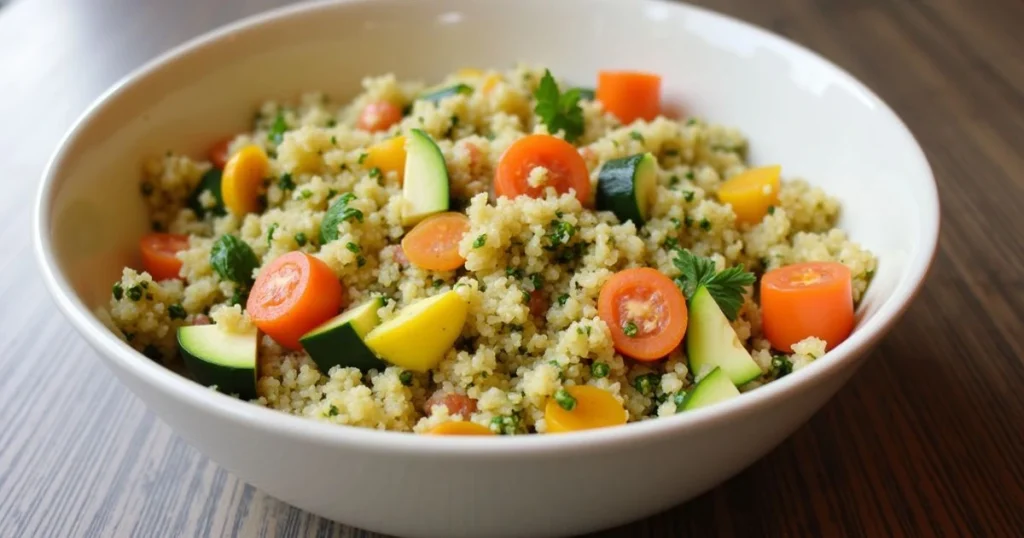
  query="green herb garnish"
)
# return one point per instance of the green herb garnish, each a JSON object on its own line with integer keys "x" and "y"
{"x": 300, "y": 238}
{"x": 233, "y": 259}
{"x": 277, "y": 129}
{"x": 599, "y": 369}
{"x": 118, "y": 291}
{"x": 405, "y": 378}
{"x": 726, "y": 286}
{"x": 336, "y": 214}
{"x": 629, "y": 329}
{"x": 176, "y": 311}
{"x": 480, "y": 241}
{"x": 565, "y": 400}
{"x": 285, "y": 182}
{"x": 559, "y": 111}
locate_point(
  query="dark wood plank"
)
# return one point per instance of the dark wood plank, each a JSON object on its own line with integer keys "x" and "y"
{"x": 927, "y": 440}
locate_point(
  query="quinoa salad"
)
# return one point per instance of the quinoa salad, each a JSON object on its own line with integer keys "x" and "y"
{"x": 497, "y": 252}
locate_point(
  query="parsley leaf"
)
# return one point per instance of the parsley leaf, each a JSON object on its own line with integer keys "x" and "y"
{"x": 559, "y": 111}
{"x": 726, "y": 287}
{"x": 277, "y": 129}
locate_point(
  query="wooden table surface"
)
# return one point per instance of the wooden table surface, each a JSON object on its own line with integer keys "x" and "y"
{"x": 927, "y": 439}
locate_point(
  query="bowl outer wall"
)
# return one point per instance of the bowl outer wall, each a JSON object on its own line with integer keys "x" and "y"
{"x": 413, "y": 486}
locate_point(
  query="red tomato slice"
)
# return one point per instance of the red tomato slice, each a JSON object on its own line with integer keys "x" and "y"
{"x": 159, "y": 254}
{"x": 645, "y": 312}
{"x": 292, "y": 295}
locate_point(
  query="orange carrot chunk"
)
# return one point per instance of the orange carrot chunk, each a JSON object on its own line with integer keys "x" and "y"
{"x": 630, "y": 95}
{"x": 433, "y": 243}
{"x": 807, "y": 299}
{"x": 565, "y": 169}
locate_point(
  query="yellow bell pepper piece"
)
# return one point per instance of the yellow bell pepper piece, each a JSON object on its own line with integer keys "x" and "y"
{"x": 463, "y": 427}
{"x": 388, "y": 155}
{"x": 243, "y": 178}
{"x": 751, "y": 193}
{"x": 420, "y": 335}
{"x": 490, "y": 82}
{"x": 594, "y": 408}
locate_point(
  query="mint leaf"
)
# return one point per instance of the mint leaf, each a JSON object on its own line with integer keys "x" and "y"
{"x": 559, "y": 111}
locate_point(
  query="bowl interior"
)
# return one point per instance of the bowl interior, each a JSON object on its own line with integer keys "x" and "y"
{"x": 797, "y": 110}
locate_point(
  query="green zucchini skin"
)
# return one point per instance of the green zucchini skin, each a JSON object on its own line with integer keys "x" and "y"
{"x": 626, "y": 187}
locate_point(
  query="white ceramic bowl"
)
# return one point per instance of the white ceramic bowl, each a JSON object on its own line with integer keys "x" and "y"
{"x": 797, "y": 108}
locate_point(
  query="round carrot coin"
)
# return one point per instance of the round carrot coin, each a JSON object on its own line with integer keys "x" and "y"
{"x": 645, "y": 312}
{"x": 292, "y": 295}
{"x": 159, "y": 254}
{"x": 433, "y": 243}
{"x": 566, "y": 169}
{"x": 460, "y": 427}
{"x": 807, "y": 299}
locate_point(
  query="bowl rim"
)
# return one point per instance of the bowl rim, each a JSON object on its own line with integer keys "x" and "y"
{"x": 271, "y": 421}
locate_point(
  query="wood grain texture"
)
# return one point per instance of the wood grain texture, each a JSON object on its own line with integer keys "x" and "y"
{"x": 926, "y": 440}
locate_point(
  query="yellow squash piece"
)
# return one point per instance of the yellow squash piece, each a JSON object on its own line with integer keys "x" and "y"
{"x": 243, "y": 178}
{"x": 460, "y": 427}
{"x": 490, "y": 81}
{"x": 388, "y": 155}
{"x": 595, "y": 408}
{"x": 419, "y": 336}
{"x": 751, "y": 193}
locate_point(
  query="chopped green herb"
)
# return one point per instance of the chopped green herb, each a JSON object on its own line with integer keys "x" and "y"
{"x": 336, "y": 214}
{"x": 270, "y": 233}
{"x": 285, "y": 182}
{"x": 239, "y": 296}
{"x": 515, "y": 327}
{"x": 118, "y": 291}
{"x": 705, "y": 224}
{"x": 505, "y": 425}
{"x": 405, "y": 378}
{"x": 688, "y": 196}
{"x": 537, "y": 281}
{"x": 362, "y": 157}
{"x": 135, "y": 292}
{"x": 781, "y": 366}
{"x": 332, "y": 122}
{"x": 278, "y": 128}
{"x": 233, "y": 259}
{"x": 514, "y": 272}
{"x": 635, "y": 135}
{"x": 300, "y": 238}
{"x": 352, "y": 247}
{"x": 599, "y": 369}
{"x": 689, "y": 175}
{"x": 360, "y": 261}
{"x": 333, "y": 411}
{"x": 375, "y": 172}
{"x": 561, "y": 232}
{"x": 673, "y": 181}
{"x": 562, "y": 299}
{"x": 691, "y": 121}
{"x": 334, "y": 140}
{"x": 676, "y": 222}
{"x": 526, "y": 297}
{"x": 771, "y": 210}
{"x": 437, "y": 283}
{"x": 671, "y": 152}
{"x": 678, "y": 399}
{"x": 176, "y": 311}
{"x": 559, "y": 111}
{"x": 671, "y": 242}
{"x": 331, "y": 193}
{"x": 629, "y": 329}
{"x": 306, "y": 194}
{"x": 480, "y": 241}
{"x": 687, "y": 221}
{"x": 726, "y": 287}
{"x": 645, "y": 384}
{"x": 565, "y": 400}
